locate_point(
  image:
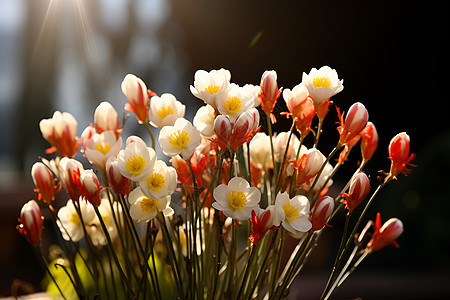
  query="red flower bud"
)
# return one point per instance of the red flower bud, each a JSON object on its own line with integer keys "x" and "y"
{"x": 385, "y": 235}
{"x": 369, "y": 141}
{"x": 90, "y": 187}
{"x": 46, "y": 184}
{"x": 120, "y": 184}
{"x": 222, "y": 128}
{"x": 355, "y": 121}
{"x": 359, "y": 189}
{"x": 399, "y": 154}
{"x": 32, "y": 222}
{"x": 269, "y": 91}
{"x": 322, "y": 211}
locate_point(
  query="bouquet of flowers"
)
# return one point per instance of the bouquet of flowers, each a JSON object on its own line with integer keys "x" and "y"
{"x": 212, "y": 223}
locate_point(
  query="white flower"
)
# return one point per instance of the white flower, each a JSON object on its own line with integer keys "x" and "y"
{"x": 182, "y": 138}
{"x": 279, "y": 145}
{"x": 322, "y": 84}
{"x": 204, "y": 120}
{"x": 326, "y": 172}
{"x": 102, "y": 146}
{"x": 260, "y": 153}
{"x": 161, "y": 182}
{"x": 208, "y": 85}
{"x": 144, "y": 209}
{"x": 69, "y": 222}
{"x": 254, "y": 90}
{"x": 165, "y": 110}
{"x": 136, "y": 161}
{"x": 237, "y": 199}
{"x": 95, "y": 229}
{"x": 293, "y": 213}
{"x": 235, "y": 102}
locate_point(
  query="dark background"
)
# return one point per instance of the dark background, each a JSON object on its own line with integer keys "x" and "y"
{"x": 392, "y": 55}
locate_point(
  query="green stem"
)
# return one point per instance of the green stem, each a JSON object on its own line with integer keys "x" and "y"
{"x": 110, "y": 245}
{"x": 247, "y": 268}
{"x": 319, "y": 131}
{"x": 50, "y": 273}
{"x": 283, "y": 161}
{"x": 151, "y": 134}
{"x": 335, "y": 265}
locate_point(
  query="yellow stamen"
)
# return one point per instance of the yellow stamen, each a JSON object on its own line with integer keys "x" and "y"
{"x": 74, "y": 218}
{"x": 212, "y": 89}
{"x": 291, "y": 212}
{"x": 149, "y": 204}
{"x": 321, "y": 82}
{"x": 233, "y": 105}
{"x": 156, "y": 181}
{"x": 237, "y": 199}
{"x": 164, "y": 111}
{"x": 135, "y": 165}
{"x": 103, "y": 148}
{"x": 179, "y": 139}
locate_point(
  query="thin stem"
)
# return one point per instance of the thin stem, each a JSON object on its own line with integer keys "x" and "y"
{"x": 247, "y": 268}
{"x": 283, "y": 161}
{"x": 151, "y": 134}
{"x": 319, "y": 131}
{"x": 171, "y": 252}
{"x": 110, "y": 245}
{"x": 269, "y": 126}
{"x": 335, "y": 265}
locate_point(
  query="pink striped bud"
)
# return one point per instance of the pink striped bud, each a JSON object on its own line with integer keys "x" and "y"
{"x": 322, "y": 211}
{"x": 120, "y": 184}
{"x": 269, "y": 91}
{"x": 32, "y": 222}
{"x": 387, "y": 234}
{"x": 90, "y": 187}
{"x": 399, "y": 154}
{"x": 222, "y": 128}
{"x": 359, "y": 189}
{"x": 355, "y": 121}
{"x": 46, "y": 184}
{"x": 245, "y": 128}
{"x": 369, "y": 141}
{"x": 308, "y": 166}
{"x": 106, "y": 117}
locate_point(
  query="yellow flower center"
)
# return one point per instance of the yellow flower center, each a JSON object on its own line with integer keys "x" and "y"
{"x": 149, "y": 204}
{"x": 103, "y": 148}
{"x": 321, "y": 82}
{"x": 156, "y": 181}
{"x": 290, "y": 212}
{"x": 179, "y": 139}
{"x": 74, "y": 218}
{"x": 237, "y": 199}
{"x": 233, "y": 105}
{"x": 212, "y": 89}
{"x": 164, "y": 111}
{"x": 135, "y": 165}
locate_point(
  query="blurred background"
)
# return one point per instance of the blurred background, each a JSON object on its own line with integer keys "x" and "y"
{"x": 69, "y": 55}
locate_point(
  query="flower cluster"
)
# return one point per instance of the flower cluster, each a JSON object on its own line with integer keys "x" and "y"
{"x": 227, "y": 178}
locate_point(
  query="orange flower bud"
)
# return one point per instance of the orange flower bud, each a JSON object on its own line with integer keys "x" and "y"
{"x": 222, "y": 128}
